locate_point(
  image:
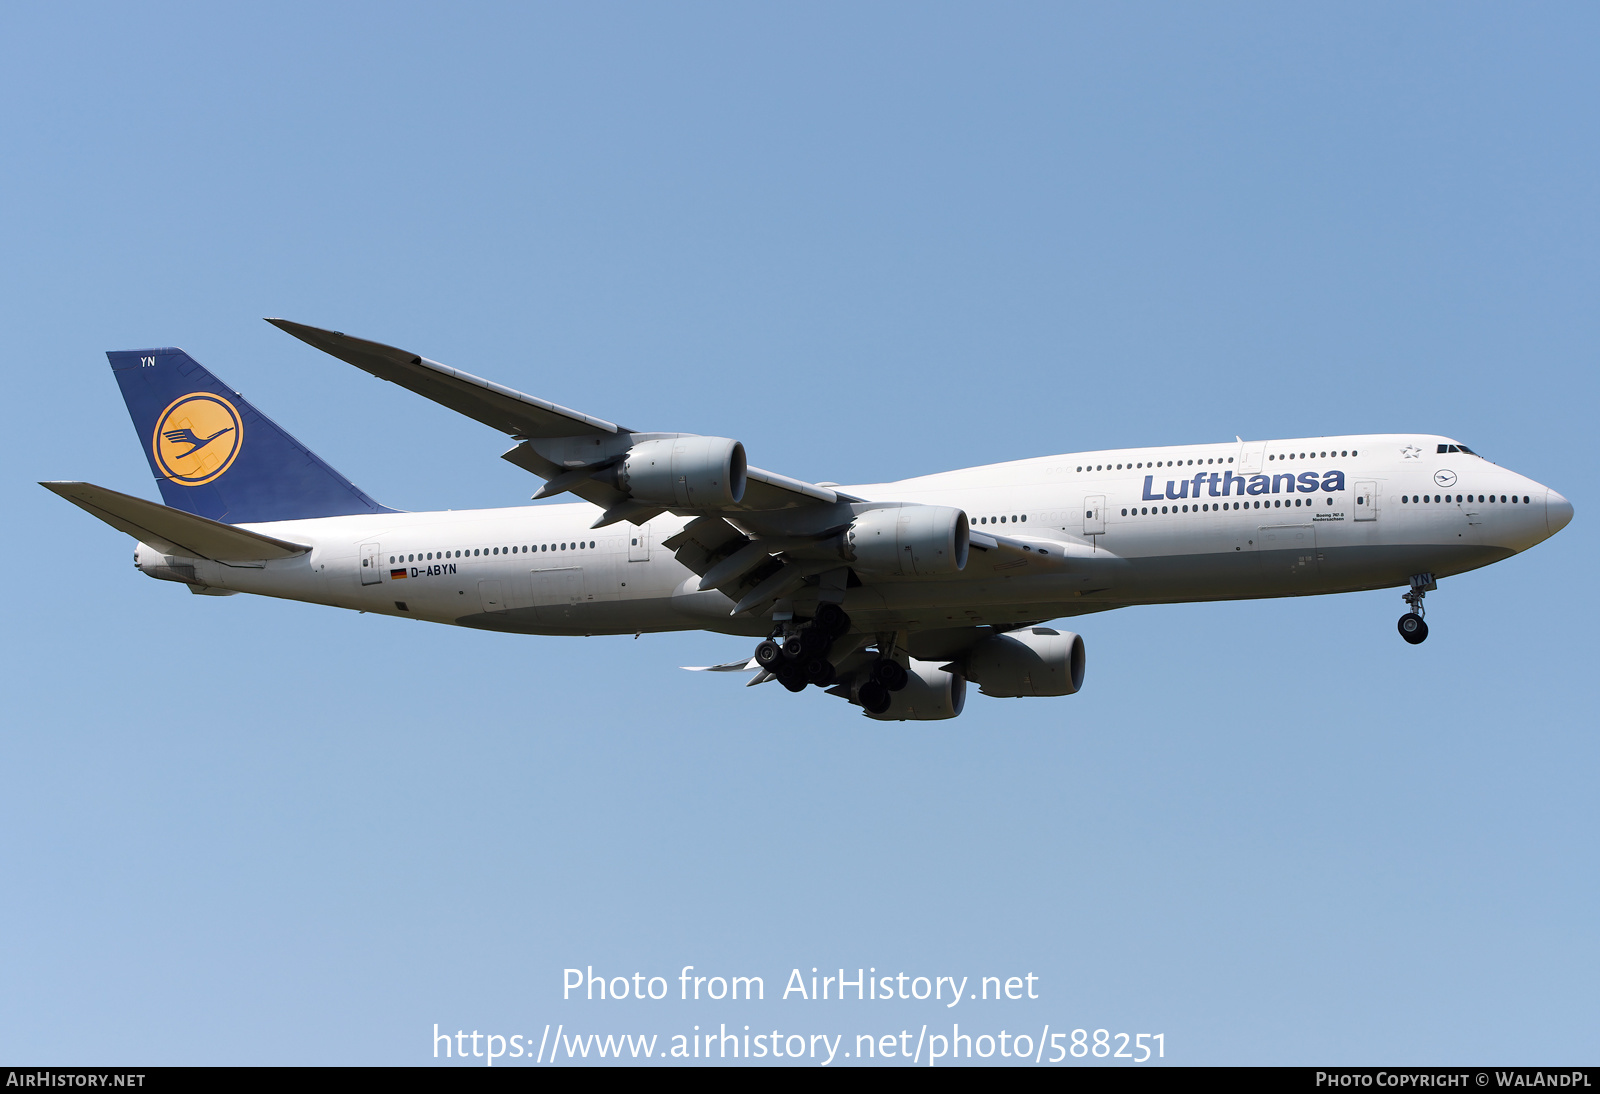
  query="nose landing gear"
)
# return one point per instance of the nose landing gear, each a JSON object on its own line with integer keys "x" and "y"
{"x": 1412, "y": 626}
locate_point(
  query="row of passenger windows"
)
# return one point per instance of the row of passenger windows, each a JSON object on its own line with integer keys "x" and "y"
{"x": 1217, "y": 459}
{"x": 1442, "y": 498}
{"x": 1002, "y": 520}
{"x": 1157, "y": 510}
{"x": 429, "y": 556}
{"x": 1155, "y": 463}
{"x": 1314, "y": 455}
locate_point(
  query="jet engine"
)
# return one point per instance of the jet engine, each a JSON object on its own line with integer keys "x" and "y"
{"x": 684, "y": 472}
{"x": 909, "y": 541}
{"x": 930, "y": 695}
{"x": 1035, "y": 661}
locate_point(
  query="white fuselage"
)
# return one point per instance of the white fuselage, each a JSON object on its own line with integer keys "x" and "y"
{"x": 1153, "y": 525}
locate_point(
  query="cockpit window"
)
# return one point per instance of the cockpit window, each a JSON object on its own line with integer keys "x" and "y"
{"x": 1443, "y": 448}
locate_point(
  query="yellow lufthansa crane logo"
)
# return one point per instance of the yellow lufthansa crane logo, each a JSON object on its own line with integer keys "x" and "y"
{"x": 196, "y": 438}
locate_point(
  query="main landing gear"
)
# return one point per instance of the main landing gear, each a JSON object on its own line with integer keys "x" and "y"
{"x": 1412, "y": 627}
{"x": 885, "y": 676}
{"x": 798, "y": 657}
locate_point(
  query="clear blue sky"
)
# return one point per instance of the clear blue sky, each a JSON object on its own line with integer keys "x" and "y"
{"x": 869, "y": 241}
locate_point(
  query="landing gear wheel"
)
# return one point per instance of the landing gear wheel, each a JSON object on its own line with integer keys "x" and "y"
{"x": 819, "y": 671}
{"x": 792, "y": 676}
{"x": 1413, "y": 629}
{"x": 768, "y": 654}
{"x": 891, "y": 674}
{"x": 793, "y": 646}
{"x": 814, "y": 643}
{"x": 874, "y": 697}
{"x": 831, "y": 620}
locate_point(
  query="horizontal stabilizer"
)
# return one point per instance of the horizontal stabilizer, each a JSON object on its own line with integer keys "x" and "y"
{"x": 172, "y": 530}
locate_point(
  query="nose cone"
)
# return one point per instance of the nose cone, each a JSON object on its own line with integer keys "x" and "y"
{"x": 1557, "y": 511}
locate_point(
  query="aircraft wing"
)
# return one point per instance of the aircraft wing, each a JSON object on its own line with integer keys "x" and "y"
{"x": 482, "y": 400}
{"x": 557, "y": 443}
{"x": 758, "y": 543}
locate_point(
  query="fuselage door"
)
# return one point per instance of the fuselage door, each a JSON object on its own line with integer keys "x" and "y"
{"x": 490, "y": 595}
{"x": 1094, "y": 515}
{"x": 371, "y": 573}
{"x": 639, "y": 544}
{"x": 1366, "y": 501}
{"x": 1250, "y": 453}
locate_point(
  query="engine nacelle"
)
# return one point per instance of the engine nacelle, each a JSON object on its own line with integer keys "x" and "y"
{"x": 911, "y": 541}
{"x": 930, "y": 695}
{"x": 684, "y": 472}
{"x": 165, "y": 567}
{"x": 1036, "y": 661}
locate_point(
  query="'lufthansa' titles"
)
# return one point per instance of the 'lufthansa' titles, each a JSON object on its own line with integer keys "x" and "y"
{"x": 1222, "y": 484}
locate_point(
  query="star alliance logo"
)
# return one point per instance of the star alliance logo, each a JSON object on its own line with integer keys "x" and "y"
{"x": 1411, "y": 452}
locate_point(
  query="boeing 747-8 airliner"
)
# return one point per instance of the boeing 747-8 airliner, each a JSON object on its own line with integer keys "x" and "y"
{"x": 890, "y": 595}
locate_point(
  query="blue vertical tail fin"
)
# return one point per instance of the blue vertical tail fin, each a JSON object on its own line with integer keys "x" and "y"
{"x": 215, "y": 455}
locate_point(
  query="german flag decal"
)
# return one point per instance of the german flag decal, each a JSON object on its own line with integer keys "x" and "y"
{"x": 396, "y": 575}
